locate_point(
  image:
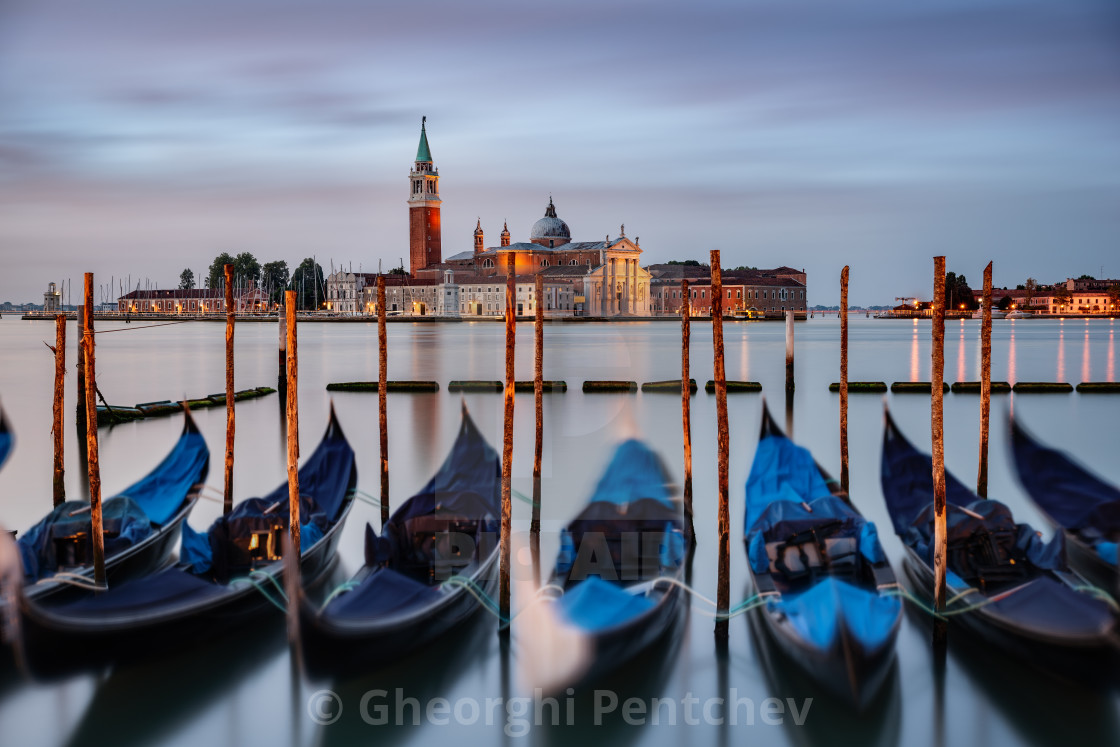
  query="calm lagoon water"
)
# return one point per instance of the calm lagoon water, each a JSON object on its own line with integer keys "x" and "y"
{"x": 240, "y": 689}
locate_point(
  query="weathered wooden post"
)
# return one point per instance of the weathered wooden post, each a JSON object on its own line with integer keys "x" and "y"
{"x": 94, "y": 466}
{"x": 844, "y": 379}
{"x": 723, "y": 592}
{"x": 59, "y": 395}
{"x": 227, "y": 504}
{"x": 686, "y": 407}
{"x": 382, "y": 385}
{"x": 507, "y": 443}
{"x": 293, "y": 426}
{"x": 985, "y": 382}
{"x": 538, "y": 400}
{"x": 937, "y": 378}
{"x": 294, "y": 554}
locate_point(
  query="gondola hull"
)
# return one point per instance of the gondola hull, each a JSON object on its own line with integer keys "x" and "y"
{"x": 1090, "y": 658}
{"x": 612, "y": 649}
{"x": 849, "y": 670}
{"x": 55, "y": 643}
{"x": 331, "y": 647}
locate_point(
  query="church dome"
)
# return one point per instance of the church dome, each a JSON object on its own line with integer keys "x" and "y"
{"x": 550, "y": 227}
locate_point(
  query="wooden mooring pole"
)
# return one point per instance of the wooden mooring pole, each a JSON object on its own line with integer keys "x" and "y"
{"x": 985, "y": 382}
{"x": 227, "y": 503}
{"x": 295, "y": 551}
{"x": 507, "y": 444}
{"x": 686, "y": 407}
{"x": 94, "y": 466}
{"x": 844, "y": 379}
{"x": 538, "y": 400}
{"x": 382, "y": 384}
{"x": 59, "y": 395}
{"x": 293, "y": 424}
{"x": 723, "y": 591}
{"x": 937, "y": 377}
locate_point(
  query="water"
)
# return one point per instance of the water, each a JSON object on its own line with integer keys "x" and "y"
{"x": 240, "y": 689}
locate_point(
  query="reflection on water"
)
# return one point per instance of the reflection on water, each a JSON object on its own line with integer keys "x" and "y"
{"x": 1111, "y": 355}
{"x": 1061, "y": 352}
{"x": 961, "y": 355}
{"x": 1085, "y": 356}
{"x": 914, "y": 362}
{"x": 1011, "y": 379}
{"x": 235, "y": 691}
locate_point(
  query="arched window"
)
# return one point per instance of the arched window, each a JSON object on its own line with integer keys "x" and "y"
{"x": 572, "y": 262}
{"x": 544, "y": 263}
{"x": 487, "y": 263}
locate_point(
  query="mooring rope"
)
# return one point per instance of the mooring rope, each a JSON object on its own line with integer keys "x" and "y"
{"x": 253, "y": 577}
{"x": 74, "y": 579}
{"x": 131, "y": 329}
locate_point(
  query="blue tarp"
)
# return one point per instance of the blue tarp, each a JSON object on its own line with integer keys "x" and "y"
{"x": 7, "y": 440}
{"x": 632, "y": 502}
{"x": 634, "y": 472}
{"x": 464, "y": 497}
{"x": 817, "y": 613}
{"x": 161, "y": 493}
{"x": 324, "y": 480}
{"x": 907, "y": 481}
{"x": 382, "y": 593}
{"x": 123, "y": 522}
{"x": 781, "y": 471}
{"x": 594, "y": 605}
{"x": 1069, "y": 494}
{"x": 128, "y": 517}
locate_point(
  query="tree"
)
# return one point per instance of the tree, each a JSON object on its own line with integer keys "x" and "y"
{"x": 686, "y": 263}
{"x": 307, "y": 282}
{"x": 1086, "y": 277}
{"x": 186, "y": 280}
{"x": 216, "y": 278}
{"x": 1062, "y": 295}
{"x": 246, "y": 268}
{"x": 274, "y": 278}
{"x": 957, "y": 292}
{"x": 1030, "y": 287}
{"x": 1005, "y": 303}
{"x": 742, "y": 268}
{"x": 1114, "y": 295}
{"x": 399, "y": 270}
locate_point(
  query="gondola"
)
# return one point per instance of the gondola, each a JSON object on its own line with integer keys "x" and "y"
{"x": 830, "y": 597}
{"x": 616, "y": 587}
{"x": 1020, "y": 594}
{"x": 7, "y": 439}
{"x": 226, "y": 576}
{"x": 423, "y": 576}
{"x": 141, "y": 525}
{"x": 1074, "y": 500}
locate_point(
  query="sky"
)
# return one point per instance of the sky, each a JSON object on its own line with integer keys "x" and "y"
{"x": 138, "y": 139}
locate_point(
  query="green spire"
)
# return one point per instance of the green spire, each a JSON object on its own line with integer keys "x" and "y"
{"x": 423, "y": 154}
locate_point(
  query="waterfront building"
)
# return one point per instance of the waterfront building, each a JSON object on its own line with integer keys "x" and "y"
{"x": 472, "y": 297}
{"x": 760, "y": 291}
{"x": 346, "y": 291}
{"x": 52, "y": 299}
{"x": 193, "y": 301}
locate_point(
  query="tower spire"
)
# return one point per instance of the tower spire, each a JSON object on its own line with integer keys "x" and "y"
{"x": 423, "y": 153}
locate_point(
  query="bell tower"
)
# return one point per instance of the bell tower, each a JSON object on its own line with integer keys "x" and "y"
{"x": 425, "y": 248}
{"x": 479, "y": 239}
